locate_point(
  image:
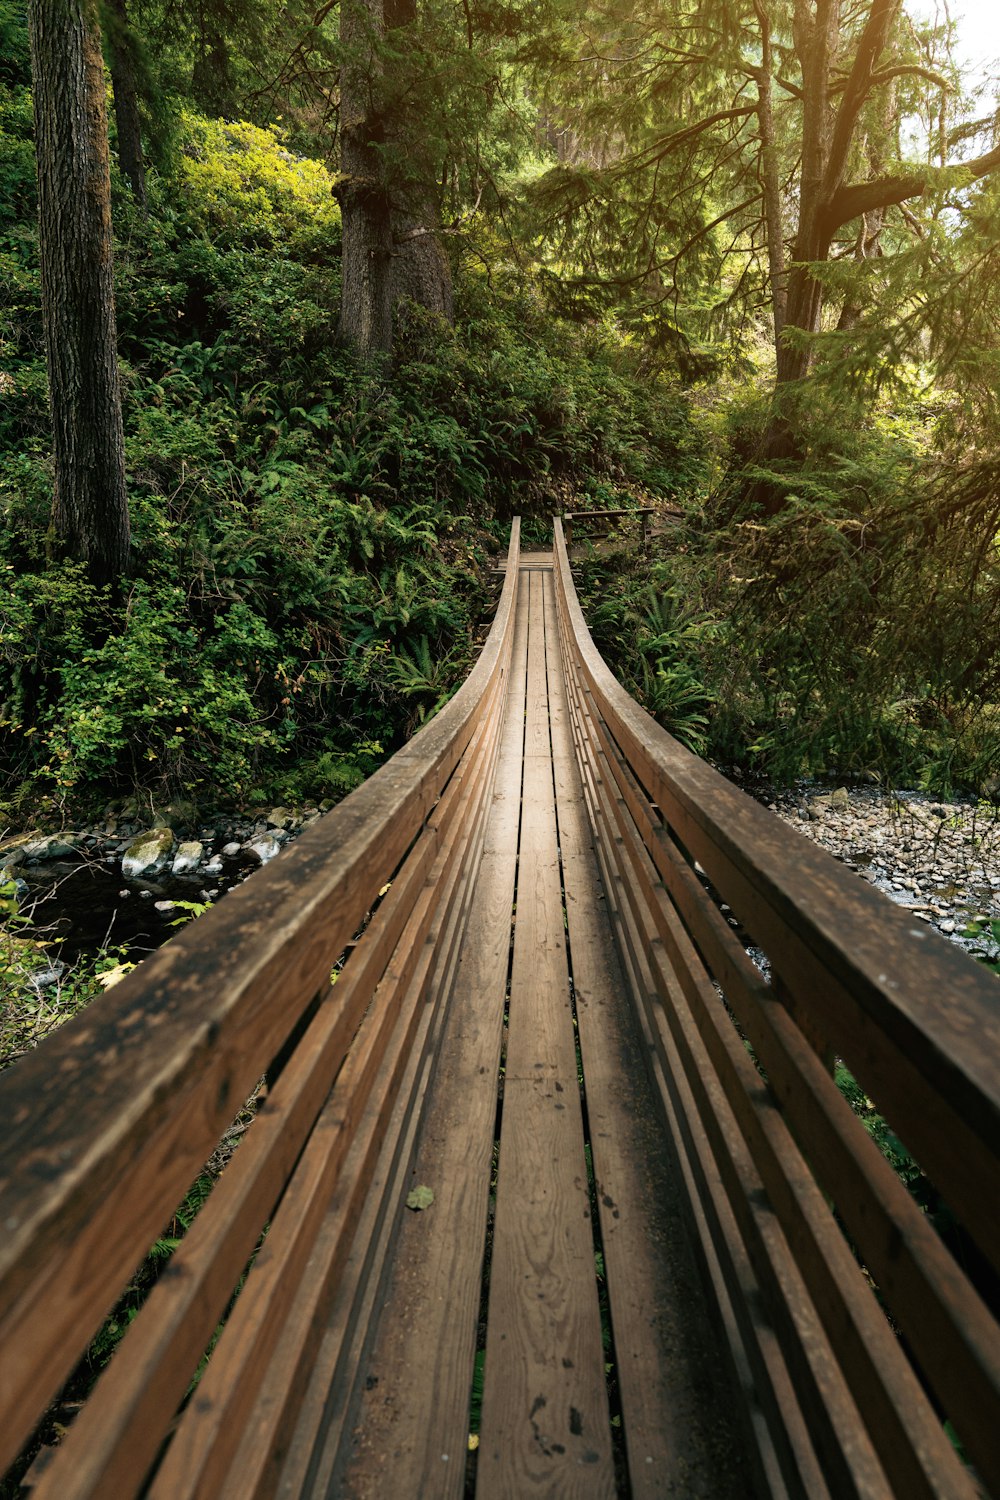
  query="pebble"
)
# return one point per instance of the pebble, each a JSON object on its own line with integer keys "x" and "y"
{"x": 941, "y": 861}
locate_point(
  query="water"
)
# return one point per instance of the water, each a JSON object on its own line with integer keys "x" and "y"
{"x": 85, "y": 905}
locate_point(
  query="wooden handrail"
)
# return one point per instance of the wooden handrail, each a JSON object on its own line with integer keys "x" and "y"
{"x": 108, "y": 1124}
{"x": 571, "y": 517}
{"x": 774, "y": 1158}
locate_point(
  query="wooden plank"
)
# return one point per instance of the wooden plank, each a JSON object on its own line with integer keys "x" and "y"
{"x": 138, "y": 1089}
{"x": 950, "y": 1330}
{"x": 209, "y": 1433}
{"x": 414, "y": 1409}
{"x": 949, "y": 1327}
{"x": 913, "y": 1017}
{"x": 545, "y": 1424}
{"x": 915, "y": 1452}
{"x": 260, "y": 1462}
{"x": 678, "y": 1407}
{"x": 780, "y": 1443}
{"x": 113, "y": 1442}
{"x": 341, "y": 1333}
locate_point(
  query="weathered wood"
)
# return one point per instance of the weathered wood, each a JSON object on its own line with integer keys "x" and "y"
{"x": 345, "y": 1365}
{"x": 782, "y": 1440}
{"x": 946, "y": 1322}
{"x": 922, "y": 1032}
{"x": 671, "y": 1381}
{"x": 126, "y": 1419}
{"x": 412, "y": 1423}
{"x": 545, "y": 1423}
{"x": 606, "y": 518}
{"x": 951, "y": 1331}
{"x": 138, "y": 1089}
{"x": 212, "y": 1441}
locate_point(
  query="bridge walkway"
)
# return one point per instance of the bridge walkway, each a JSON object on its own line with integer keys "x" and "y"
{"x": 590, "y": 1279}
{"x": 660, "y": 1255}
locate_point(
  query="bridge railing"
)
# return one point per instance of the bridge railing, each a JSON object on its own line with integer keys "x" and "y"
{"x": 107, "y": 1125}
{"x": 852, "y": 1326}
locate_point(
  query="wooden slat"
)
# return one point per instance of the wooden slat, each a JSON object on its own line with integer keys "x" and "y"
{"x": 674, "y": 1396}
{"x": 915, "y": 1020}
{"x": 950, "y": 1328}
{"x": 545, "y": 1424}
{"x": 414, "y": 1405}
{"x": 781, "y": 1439}
{"x": 946, "y": 1320}
{"x": 211, "y": 1431}
{"x": 113, "y": 1442}
{"x": 341, "y": 1290}
{"x": 138, "y": 1089}
{"x": 915, "y": 1451}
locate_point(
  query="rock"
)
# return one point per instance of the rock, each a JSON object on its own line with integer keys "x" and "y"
{"x": 187, "y": 858}
{"x": 55, "y": 847}
{"x": 182, "y": 813}
{"x": 164, "y": 906}
{"x": 948, "y": 927}
{"x": 10, "y": 877}
{"x": 212, "y": 866}
{"x": 839, "y": 798}
{"x": 12, "y": 858}
{"x": 280, "y": 817}
{"x": 42, "y": 978}
{"x": 263, "y": 848}
{"x": 231, "y": 850}
{"x": 148, "y": 854}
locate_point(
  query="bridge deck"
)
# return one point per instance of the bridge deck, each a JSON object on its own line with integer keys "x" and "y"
{"x": 517, "y": 1173}
{"x": 494, "y": 971}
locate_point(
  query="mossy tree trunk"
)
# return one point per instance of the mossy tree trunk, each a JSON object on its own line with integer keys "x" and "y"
{"x": 90, "y": 509}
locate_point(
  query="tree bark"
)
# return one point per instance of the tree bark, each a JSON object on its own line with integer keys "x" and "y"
{"x": 769, "y": 179}
{"x": 121, "y": 47}
{"x": 391, "y": 246}
{"x": 90, "y": 506}
{"x": 366, "y": 218}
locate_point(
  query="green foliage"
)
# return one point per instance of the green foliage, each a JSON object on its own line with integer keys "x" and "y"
{"x": 309, "y": 533}
{"x": 657, "y": 642}
{"x": 987, "y": 931}
{"x": 854, "y": 632}
{"x": 881, "y": 1133}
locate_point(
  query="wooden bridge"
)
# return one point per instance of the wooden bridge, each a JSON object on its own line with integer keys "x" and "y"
{"x": 663, "y": 1257}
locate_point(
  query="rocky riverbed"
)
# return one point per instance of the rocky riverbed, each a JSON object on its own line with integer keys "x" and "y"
{"x": 940, "y": 860}
{"x": 123, "y": 882}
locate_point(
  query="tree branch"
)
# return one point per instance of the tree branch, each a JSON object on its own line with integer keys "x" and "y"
{"x": 858, "y": 87}
{"x": 860, "y": 198}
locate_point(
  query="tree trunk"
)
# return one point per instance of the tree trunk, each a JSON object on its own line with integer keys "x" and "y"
{"x": 90, "y": 509}
{"x": 121, "y": 47}
{"x": 420, "y": 269}
{"x": 366, "y": 218}
{"x": 770, "y": 183}
{"x": 391, "y": 247}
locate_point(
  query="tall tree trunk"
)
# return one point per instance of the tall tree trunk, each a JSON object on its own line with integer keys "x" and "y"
{"x": 121, "y": 47}
{"x": 770, "y": 183}
{"x": 366, "y": 218}
{"x": 391, "y": 248}
{"x": 90, "y": 509}
{"x": 420, "y": 269}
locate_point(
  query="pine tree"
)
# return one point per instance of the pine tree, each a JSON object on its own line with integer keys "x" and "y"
{"x": 90, "y": 509}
